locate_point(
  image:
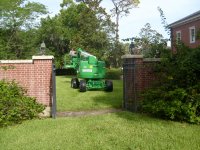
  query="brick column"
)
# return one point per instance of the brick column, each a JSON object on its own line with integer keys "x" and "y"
{"x": 43, "y": 79}
{"x": 138, "y": 75}
{"x": 132, "y": 77}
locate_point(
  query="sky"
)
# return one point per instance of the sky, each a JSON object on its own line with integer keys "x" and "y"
{"x": 130, "y": 26}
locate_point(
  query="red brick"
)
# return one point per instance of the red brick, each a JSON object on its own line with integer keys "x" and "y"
{"x": 35, "y": 77}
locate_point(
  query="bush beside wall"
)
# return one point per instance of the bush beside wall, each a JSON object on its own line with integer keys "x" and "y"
{"x": 177, "y": 95}
{"x": 15, "y": 105}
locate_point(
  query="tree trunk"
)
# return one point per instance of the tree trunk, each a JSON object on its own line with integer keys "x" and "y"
{"x": 117, "y": 27}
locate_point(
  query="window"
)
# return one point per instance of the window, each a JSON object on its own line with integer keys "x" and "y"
{"x": 192, "y": 34}
{"x": 178, "y": 36}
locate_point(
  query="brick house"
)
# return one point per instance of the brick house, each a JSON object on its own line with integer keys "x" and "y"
{"x": 186, "y": 30}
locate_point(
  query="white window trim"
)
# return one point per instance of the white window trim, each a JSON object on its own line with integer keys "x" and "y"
{"x": 190, "y": 29}
{"x": 178, "y": 32}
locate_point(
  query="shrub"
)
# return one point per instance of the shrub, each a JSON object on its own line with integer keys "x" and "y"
{"x": 15, "y": 105}
{"x": 177, "y": 96}
{"x": 177, "y": 104}
{"x": 113, "y": 74}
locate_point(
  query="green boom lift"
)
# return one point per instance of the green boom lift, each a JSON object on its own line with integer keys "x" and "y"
{"x": 90, "y": 70}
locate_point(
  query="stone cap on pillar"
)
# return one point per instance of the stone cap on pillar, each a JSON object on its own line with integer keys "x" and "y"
{"x": 42, "y": 57}
{"x": 15, "y": 61}
{"x": 27, "y": 61}
{"x": 131, "y": 56}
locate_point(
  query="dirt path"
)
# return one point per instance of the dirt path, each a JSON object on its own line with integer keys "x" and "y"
{"x": 86, "y": 113}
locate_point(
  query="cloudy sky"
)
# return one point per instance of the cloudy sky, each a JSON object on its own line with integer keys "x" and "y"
{"x": 146, "y": 13}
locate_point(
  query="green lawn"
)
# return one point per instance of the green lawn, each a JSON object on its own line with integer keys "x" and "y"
{"x": 69, "y": 99}
{"x": 117, "y": 131}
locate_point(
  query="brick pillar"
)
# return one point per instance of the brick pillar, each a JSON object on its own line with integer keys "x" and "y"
{"x": 43, "y": 79}
{"x": 42, "y": 88}
{"x": 138, "y": 75}
{"x": 132, "y": 77}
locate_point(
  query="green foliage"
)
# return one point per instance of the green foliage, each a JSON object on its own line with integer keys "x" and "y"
{"x": 163, "y": 20}
{"x": 78, "y": 25}
{"x": 18, "y": 14}
{"x": 176, "y": 95}
{"x": 7, "y": 67}
{"x": 84, "y": 29}
{"x": 113, "y": 74}
{"x": 113, "y": 56}
{"x": 17, "y": 33}
{"x": 85, "y": 25}
{"x": 15, "y": 106}
{"x": 150, "y": 43}
{"x": 198, "y": 34}
{"x": 175, "y": 104}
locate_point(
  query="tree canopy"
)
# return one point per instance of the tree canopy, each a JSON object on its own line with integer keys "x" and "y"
{"x": 150, "y": 42}
{"x": 84, "y": 25}
{"x": 17, "y": 21}
{"x": 80, "y": 23}
{"x": 122, "y": 8}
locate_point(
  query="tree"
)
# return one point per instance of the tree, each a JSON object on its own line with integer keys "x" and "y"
{"x": 20, "y": 13}
{"x": 115, "y": 53}
{"x": 86, "y": 28}
{"x": 122, "y": 8}
{"x": 76, "y": 26}
{"x": 163, "y": 19}
{"x": 53, "y": 33}
{"x": 116, "y": 49}
{"x": 148, "y": 39}
{"x": 17, "y": 17}
{"x": 150, "y": 42}
{"x": 100, "y": 12}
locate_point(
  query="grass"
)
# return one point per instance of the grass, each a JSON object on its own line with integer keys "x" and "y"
{"x": 69, "y": 99}
{"x": 118, "y": 131}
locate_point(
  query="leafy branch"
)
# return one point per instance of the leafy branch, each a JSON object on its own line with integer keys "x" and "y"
{"x": 163, "y": 20}
{"x": 5, "y": 68}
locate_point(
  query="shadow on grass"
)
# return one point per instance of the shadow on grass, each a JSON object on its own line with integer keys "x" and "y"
{"x": 112, "y": 100}
{"x": 69, "y": 99}
{"x": 67, "y": 76}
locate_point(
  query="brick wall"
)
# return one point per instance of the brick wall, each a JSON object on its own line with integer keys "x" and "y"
{"x": 185, "y": 34}
{"x": 138, "y": 75}
{"x": 35, "y": 75}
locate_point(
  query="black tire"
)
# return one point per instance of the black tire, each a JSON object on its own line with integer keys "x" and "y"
{"x": 74, "y": 83}
{"x": 109, "y": 86}
{"x": 82, "y": 86}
